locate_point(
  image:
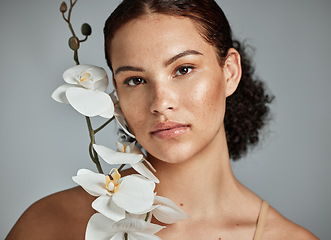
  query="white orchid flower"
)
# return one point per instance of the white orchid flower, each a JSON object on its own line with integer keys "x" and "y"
{"x": 167, "y": 211}
{"x": 164, "y": 210}
{"x": 119, "y": 115}
{"x": 128, "y": 153}
{"x": 84, "y": 91}
{"x": 116, "y": 195}
{"x": 101, "y": 228}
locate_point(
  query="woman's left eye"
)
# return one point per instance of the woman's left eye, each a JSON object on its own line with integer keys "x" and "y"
{"x": 183, "y": 70}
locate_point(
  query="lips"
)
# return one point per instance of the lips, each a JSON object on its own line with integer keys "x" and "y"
{"x": 169, "y": 129}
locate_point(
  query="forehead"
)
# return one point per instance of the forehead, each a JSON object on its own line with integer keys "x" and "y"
{"x": 156, "y": 35}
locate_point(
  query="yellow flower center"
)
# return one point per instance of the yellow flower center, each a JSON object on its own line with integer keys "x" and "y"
{"x": 85, "y": 76}
{"x": 124, "y": 150}
{"x": 112, "y": 181}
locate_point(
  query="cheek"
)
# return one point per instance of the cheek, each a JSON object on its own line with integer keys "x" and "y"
{"x": 132, "y": 110}
{"x": 208, "y": 98}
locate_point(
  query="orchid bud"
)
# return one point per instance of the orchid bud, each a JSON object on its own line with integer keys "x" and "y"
{"x": 73, "y": 43}
{"x": 86, "y": 29}
{"x": 63, "y": 7}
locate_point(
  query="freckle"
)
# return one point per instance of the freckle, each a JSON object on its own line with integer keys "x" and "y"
{"x": 181, "y": 204}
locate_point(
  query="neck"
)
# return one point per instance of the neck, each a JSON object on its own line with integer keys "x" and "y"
{"x": 201, "y": 184}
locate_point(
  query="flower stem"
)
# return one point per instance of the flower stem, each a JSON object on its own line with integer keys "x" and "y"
{"x": 83, "y": 40}
{"x": 125, "y": 236}
{"x": 69, "y": 17}
{"x": 92, "y": 152}
{"x": 103, "y": 125}
{"x": 72, "y": 4}
{"x": 147, "y": 216}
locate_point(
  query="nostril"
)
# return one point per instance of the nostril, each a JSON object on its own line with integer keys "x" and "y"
{"x": 162, "y": 110}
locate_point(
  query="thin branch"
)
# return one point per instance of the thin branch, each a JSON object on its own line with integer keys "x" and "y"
{"x": 76, "y": 57}
{"x": 83, "y": 40}
{"x": 69, "y": 17}
{"x": 103, "y": 125}
{"x": 147, "y": 216}
{"x": 93, "y": 153}
{"x": 65, "y": 19}
{"x": 90, "y": 150}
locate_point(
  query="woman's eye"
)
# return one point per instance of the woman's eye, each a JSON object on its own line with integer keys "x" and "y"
{"x": 184, "y": 70}
{"x": 134, "y": 81}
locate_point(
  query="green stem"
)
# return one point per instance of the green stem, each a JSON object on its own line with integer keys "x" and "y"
{"x": 83, "y": 40}
{"x": 69, "y": 17}
{"x": 72, "y": 4}
{"x": 147, "y": 216}
{"x": 103, "y": 125}
{"x": 126, "y": 236}
{"x": 92, "y": 152}
{"x": 76, "y": 57}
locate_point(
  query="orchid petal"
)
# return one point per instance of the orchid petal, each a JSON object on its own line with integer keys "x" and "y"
{"x": 135, "y": 149}
{"x": 143, "y": 170}
{"x": 89, "y": 76}
{"x": 131, "y": 225}
{"x": 113, "y": 157}
{"x": 109, "y": 113}
{"x": 141, "y": 216}
{"x": 167, "y": 212}
{"x": 88, "y": 102}
{"x": 59, "y": 93}
{"x": 106, "y": 206}
{"x": 128, "y": 147}
{"x": 99, "y": 227}
{"x": 120, "y": 146}
{"x": 139, "y": 236}
{"x": 118, "y": 236}
{"x": 128, "y": 225}
{"x": 150, "y": 165}
{"x": 121, "y": 121}
{"x": 135, "y": 194}
{"x": 151, "y": 208}
{"x": 93, "y": 183}
{"x": 100, "y": 78}
{"x": 71, "y": 75}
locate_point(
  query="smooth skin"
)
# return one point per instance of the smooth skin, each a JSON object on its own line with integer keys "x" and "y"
{"x": 165, "y": 71}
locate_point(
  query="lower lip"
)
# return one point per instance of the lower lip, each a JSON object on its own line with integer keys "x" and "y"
{"x": 170, "y": 133}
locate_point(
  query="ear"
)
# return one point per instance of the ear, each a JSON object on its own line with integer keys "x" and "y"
{"x": 232, "y": 71}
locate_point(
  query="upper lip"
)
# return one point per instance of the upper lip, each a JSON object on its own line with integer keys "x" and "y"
{"x": 161, "y": 126}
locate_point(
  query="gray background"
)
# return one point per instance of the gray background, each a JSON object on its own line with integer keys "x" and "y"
{"x": 44, "y": 143}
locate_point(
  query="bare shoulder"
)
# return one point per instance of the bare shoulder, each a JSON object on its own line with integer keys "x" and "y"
{"x": 278, "y": 227}
{"x": 62, "y": 215}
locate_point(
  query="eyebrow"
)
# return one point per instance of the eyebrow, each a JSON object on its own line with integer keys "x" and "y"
{"x": 128, "y": 68}
{"x": 180, "y": 55}
{"x": 167, "y": 63}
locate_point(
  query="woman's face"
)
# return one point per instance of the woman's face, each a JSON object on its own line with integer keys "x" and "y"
{"x": 170, "y": 85}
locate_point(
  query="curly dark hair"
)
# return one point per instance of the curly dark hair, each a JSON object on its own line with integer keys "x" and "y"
{"x": 247, "y": 108}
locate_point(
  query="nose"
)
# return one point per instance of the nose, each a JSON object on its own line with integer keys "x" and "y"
{"x": 163, "y": 98}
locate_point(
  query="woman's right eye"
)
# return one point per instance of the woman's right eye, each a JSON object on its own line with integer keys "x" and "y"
{"x": 134, "y": 81}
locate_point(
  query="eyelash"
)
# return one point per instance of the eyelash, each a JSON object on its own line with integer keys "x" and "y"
{"x": 189, "y": 67}
{"x": 130, "y": 80}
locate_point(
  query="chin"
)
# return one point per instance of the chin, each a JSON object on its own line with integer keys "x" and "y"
{"x": 172, "y": 154}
